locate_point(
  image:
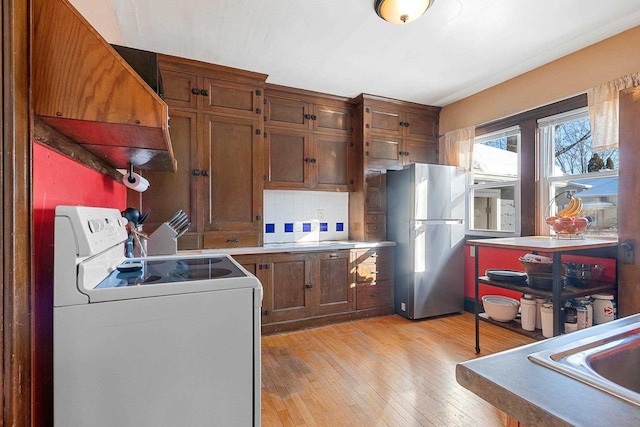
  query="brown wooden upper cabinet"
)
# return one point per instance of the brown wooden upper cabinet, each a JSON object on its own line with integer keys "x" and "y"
{"x": 208, "y": 90}
{"x": 308, "y": 140}
{"x": 390, "y": 134}
{"x": 398, "y": 133}
{"x": 217, "y": 124}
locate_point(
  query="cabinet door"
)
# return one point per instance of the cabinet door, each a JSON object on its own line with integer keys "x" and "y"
{"x": 383, "y": 120}
{"x": 383, "y": 151}
{"x": 331, "y": 162}
{"x": 180, "y": 89}
{"x": 172, "y": 191}
{"x": 334, "y": 292}
{"x": 288, "y": 159}
{"x": 291, "y": 287}
{"x": 375, "y": 182}
{"x": 234, "y": 99}
{"x": 233, "y": 197}
{"x": 287, "y": 113}
{"x": 375, "y": 205}
{"x": 331, "y": 119}
{"x": 420, "y": 151}
{"x": 420, "y": 126}
{"x": 258, "y": 265}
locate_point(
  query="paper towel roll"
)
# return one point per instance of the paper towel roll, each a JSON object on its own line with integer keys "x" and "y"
{"x": 139, "y": 183}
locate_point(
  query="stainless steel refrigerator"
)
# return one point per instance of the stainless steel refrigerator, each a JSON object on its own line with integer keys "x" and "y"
{"x": 426, "y": 207}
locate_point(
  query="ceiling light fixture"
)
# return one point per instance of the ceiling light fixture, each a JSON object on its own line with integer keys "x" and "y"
{"x": 401, "y": 11}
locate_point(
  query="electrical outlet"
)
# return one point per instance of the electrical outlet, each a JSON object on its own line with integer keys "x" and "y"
{"x": 403, "y": 306}
{"x": 321, "y": 214}
{"x": 627, "y": 250}
{"x": 472, "y": 251}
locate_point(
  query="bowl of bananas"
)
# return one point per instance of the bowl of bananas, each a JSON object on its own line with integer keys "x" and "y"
{"x": 568, "y": 222}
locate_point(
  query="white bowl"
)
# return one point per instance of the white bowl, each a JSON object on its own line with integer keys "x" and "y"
{"x": 499, "y": 308}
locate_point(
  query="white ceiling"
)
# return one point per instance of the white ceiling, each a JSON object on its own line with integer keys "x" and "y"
{"x": 341, "y": 47}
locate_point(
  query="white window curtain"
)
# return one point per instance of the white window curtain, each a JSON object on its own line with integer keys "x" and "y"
{"x": 603, "y": 111}
{"x": 457, "y": 149}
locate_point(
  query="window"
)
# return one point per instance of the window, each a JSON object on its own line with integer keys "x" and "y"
{"x": 494, "y": 185}
{"x": 569, "y": 166}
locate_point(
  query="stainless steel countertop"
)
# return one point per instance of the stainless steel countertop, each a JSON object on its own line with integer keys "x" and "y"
{"x": 329, "y": 245}
{"x": 536, "y": 395}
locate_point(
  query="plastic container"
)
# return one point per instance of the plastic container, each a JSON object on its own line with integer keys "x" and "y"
{"x": 604, "y": 308}
{"x": 539, "y": 302}
{"x": 546, "y": 313}
{"x": 528, "y": 313}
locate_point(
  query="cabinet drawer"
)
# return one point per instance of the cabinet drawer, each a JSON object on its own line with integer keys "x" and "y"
{"x": 376, "y": 218}
{"x": 230, "y": 240}
{"x": 375, "y": 294}
{"x": 372, "y": 256}
{"x": 373, "y": 272}
{"x": 376, "y": 229}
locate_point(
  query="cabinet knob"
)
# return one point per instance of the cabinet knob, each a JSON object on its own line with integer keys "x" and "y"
{"x": 334, "y": 256}
{"x": 233, "y": 240}
{"x": 195, "y": 91}
{"x": 374, "y": 294}
{"x": 307, "y": 116}
{"x": 195, "y": 172}
{"x": 204, "y": 92}
{"x": 205, "y": 173}
{"x": 309, "y": 285}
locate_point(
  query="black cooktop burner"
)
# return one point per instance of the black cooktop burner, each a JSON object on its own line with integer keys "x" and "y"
{"x": 174, "y": 270}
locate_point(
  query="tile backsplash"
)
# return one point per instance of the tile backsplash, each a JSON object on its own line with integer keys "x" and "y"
{"x": 305, "y": 216}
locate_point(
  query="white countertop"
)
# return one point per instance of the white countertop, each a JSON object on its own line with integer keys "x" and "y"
{"x": 328, "y": 245}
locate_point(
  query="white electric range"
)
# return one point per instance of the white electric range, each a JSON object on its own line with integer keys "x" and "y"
{"x": 156, "y": 341}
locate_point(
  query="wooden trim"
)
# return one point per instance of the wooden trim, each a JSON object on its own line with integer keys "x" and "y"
{"x": 66, "y": 146}
{"x": 381, "y": 100}
{"x": 569, "y": 104}
{"x": 309, "y": 322}
{"x": 15, "y": 173}
{"x": 310, "y": 96}
{"x": 168, "y": 62}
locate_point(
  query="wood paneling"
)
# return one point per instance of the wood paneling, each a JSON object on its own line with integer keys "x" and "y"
{"x": 16, "y": 284}
{"x": 83, "y": 88}
{"x": 382, "y": 371}
{"x": 629, "y": 200}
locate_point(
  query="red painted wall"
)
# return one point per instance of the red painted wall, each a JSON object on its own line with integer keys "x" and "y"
{"x": 57, "y": 180}
{"x": 508, "y": 259}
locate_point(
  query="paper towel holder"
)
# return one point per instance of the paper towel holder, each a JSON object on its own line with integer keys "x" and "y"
{"x": 130, "y": 178}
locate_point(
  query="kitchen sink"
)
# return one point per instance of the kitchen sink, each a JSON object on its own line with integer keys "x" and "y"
{"x": 608, "y": 361}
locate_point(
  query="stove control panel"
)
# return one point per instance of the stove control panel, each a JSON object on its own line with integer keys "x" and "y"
{"x": 92, "y": 230}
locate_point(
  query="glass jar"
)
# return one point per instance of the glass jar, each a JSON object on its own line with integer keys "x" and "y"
{"x": 584, "y": 311}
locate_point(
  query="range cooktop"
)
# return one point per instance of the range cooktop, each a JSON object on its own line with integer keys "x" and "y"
{"x": 149, "y": 271}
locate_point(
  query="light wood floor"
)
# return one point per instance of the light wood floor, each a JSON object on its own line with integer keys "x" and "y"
{"x": 385, "y": 371}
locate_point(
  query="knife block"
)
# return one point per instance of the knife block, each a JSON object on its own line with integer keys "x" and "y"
{"x": 163, "y": 241}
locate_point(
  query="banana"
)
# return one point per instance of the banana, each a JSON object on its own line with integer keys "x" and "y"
{"x": 578, "y": 208}
{"x": 570, "y": 207}
{"x": 573, "y": 208}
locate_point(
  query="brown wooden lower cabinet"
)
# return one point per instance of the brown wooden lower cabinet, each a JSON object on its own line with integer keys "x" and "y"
{"x": 315, "y": 288}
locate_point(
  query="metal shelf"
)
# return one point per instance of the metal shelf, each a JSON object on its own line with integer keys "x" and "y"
{"x": 557, "y": 248}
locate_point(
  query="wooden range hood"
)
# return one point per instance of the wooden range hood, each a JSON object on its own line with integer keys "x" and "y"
{"x": 86, "y": 91}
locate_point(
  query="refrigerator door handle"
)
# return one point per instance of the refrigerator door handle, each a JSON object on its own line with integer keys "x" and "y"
{"x": 441, "y": 221}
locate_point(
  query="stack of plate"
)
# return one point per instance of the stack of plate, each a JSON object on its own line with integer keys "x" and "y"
{"x": 542, "y": 281}
{"x": 511, "y": 276}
